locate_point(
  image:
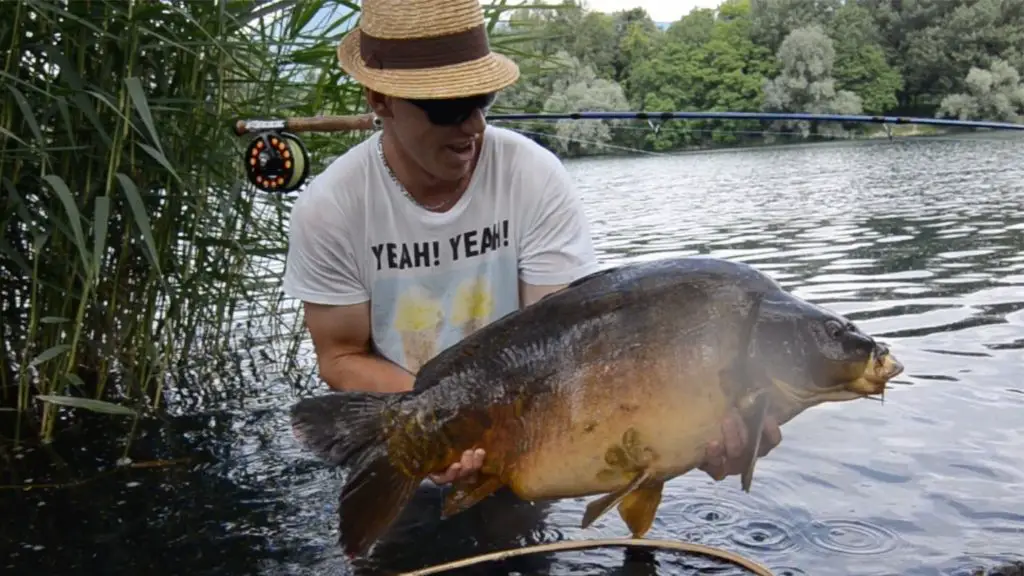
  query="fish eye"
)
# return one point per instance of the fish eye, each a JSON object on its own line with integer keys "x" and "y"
{"x": 833, "y": 328}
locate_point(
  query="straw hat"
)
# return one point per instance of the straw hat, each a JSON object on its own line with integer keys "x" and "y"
{"x": 424, "y": 49}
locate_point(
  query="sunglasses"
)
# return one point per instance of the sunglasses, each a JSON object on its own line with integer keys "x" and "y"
{"x": 454, "y": 111}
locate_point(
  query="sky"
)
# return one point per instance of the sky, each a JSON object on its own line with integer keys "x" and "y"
{"x": 660, "y": 10}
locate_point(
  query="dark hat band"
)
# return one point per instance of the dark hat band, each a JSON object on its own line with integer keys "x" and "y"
{"x": 430, "y": 52}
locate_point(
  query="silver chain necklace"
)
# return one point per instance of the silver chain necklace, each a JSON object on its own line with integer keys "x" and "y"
{"x": 391, "y": 173}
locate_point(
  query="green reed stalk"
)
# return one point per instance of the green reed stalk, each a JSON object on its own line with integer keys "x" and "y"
{"x": 129, "y": 241}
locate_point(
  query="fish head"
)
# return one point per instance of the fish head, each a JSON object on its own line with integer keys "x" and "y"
{"x": 813, "y": 355}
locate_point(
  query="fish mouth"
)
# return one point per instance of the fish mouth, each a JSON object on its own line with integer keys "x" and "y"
{"x": 881, "y": 368}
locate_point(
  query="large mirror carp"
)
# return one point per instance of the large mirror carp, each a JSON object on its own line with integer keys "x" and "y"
{"x": 610, "y": 387}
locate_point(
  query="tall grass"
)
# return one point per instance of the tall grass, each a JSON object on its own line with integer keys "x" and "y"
{"x": 129, "y": 236}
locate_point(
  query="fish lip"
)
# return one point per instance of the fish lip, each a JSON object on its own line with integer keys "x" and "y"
{"x": 886, "y": 366}
{"x": 882, "y": 367}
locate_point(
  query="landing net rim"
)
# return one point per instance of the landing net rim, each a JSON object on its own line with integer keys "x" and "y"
{"x": 659, "y": 544}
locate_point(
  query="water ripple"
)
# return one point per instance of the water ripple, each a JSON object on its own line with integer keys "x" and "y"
{"x": 763, "y": 535}
{"x": 856, "y": 537}
{"x": 719, "y": 514}
{"x": 787, "y": 571}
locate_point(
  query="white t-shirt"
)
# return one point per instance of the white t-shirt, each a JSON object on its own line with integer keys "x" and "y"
{"x": 433, "y": 278}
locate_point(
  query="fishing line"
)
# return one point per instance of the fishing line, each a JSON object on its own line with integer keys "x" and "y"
{"x": 277, "y": 161}
{"x": 591, "y": 142}
{"x": 676, "y": 546}
{"x": 812, "y": 138}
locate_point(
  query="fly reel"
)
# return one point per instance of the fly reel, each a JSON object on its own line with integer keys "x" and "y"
{"x": 277, "y": 162}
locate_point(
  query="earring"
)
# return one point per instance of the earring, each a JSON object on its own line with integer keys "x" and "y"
{"x": 377, "y": 122}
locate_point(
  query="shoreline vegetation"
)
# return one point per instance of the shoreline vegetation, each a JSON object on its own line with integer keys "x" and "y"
{"x": 140, "y": 272}
{"x": 951, "y": 59}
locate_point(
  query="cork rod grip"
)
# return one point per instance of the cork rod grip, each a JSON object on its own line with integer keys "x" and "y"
{"x": 313, "y": 124}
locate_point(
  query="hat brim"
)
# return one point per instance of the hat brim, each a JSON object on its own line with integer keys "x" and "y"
{"x": 491, "y": 73}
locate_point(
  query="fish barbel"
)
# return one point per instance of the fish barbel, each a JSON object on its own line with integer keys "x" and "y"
{"x": 611, "y": 386}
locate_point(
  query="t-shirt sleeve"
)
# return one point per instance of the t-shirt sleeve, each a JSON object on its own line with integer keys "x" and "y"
{"x": 555, "y": 247}
{"x": 321, "y": 265}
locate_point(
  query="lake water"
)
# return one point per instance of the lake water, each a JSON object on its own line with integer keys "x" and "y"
{"x": 920, "y": 242}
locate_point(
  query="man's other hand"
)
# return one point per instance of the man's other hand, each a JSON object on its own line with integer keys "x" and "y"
{"x": 472, "y": 460}
{"x": 725, "y": 458}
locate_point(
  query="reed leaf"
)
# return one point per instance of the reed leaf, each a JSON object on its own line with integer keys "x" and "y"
{"x": 87, "y": 404}
{"x": 49, "y": 354}
{"x": 67, "y": 200}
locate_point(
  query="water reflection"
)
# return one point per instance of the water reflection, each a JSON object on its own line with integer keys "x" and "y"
{"x": 920, "y": 242}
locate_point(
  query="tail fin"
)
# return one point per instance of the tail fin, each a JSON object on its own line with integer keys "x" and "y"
{"x": 347, "y": 429}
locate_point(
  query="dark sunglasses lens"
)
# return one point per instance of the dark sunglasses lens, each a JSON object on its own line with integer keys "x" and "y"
{"x": 454, "y": 111}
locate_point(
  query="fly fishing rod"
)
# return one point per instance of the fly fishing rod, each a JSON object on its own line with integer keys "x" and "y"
{"x": 277, "y": 160}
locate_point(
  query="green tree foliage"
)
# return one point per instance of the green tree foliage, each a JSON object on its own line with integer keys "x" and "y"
{"x": 860, "y": 63}
{"x": 806, "y": 83}
{"x": 582, "y": 89}
{"x": 774, "y": 20}
{"x": 995, "y": 93}
{"x": 852, "y": 56}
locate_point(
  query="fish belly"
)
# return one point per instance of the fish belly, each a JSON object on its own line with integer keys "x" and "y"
{"x": 601, "y": 446}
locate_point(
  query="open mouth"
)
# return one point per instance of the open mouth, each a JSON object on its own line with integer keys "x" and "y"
{"x": 461, "y": 148}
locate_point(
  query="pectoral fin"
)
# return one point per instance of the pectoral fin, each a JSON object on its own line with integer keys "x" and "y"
{"x": 467, "y": 492}
{"x": 745, "y": 378}
{"x": 603, "y": 504}
{"x": 638, "y": 508}
{"x": 755, "y": 426}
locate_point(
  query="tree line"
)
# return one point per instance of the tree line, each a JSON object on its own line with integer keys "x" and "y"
{"x": 949, "y": 58}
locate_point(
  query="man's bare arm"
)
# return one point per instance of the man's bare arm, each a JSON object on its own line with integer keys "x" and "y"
{"x": 530, "y": 293}
{"x": 341, "y": 336}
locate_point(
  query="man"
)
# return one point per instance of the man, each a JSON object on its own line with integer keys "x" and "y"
{"x": 436, "y": 224}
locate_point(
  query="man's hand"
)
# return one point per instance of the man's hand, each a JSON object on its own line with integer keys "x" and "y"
{"x": 725, "y": 458}
{"x": 472, "y": 460}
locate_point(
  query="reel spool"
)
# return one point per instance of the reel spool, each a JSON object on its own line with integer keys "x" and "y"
{"x": 277, "y": 162}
